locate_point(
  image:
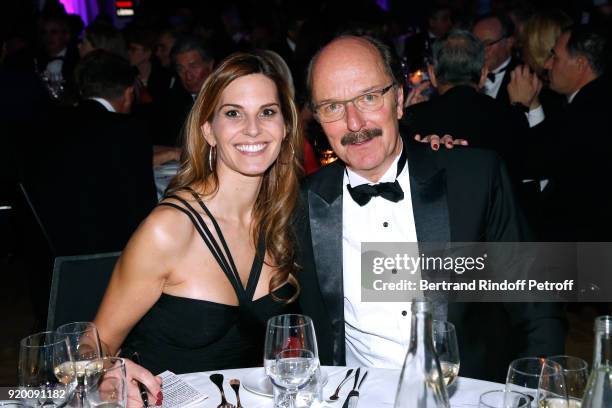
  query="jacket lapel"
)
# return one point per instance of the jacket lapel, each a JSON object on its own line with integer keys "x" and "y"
{"x": 431, "y": 217}
{"x": 325, "y": 214}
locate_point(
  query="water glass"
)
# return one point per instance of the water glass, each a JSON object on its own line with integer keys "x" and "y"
{"x": 291, "y": 340}
{"x": 106, "y": 383}
{"x": 504, "y": 399}
{"x": 46, "y": 370}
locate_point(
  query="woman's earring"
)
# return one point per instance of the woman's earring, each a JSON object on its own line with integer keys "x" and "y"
{"x": 212, "y": 155}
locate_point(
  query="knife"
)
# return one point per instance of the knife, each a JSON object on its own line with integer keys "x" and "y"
{"x": 353, "y": 395}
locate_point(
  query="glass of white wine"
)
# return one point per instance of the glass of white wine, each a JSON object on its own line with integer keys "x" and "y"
{"x": 84, "y": 343}
{"x": 39, "y": 355}
{"x": 445, "y": 344}
{"x": 105, "y": 380}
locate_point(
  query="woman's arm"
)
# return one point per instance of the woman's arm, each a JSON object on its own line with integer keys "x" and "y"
{"x": 140, "y": 274}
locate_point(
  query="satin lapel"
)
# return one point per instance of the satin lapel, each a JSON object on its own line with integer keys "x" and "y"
{"x": 325, "y": 213}
{"x": 431, "y": 217}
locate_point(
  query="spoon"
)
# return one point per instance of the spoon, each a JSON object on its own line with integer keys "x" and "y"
{"x": 217, "y": 379}
{"x": 335, "y": 396}
{"x": 235, "y": 384}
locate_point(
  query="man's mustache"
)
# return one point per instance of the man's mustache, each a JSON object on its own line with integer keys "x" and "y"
{"x": 360, "y": 137}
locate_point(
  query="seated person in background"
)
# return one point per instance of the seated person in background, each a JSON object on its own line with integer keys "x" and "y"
{"x": 539, "y": 37}
{"x": 203, "y": 273}
{"x": 153, "y": 80}
{"x": 458, "y": 73}
{"x": 92, "y": 180}
{"x": 192, "y": 63}
{"x": 102, "y": 36}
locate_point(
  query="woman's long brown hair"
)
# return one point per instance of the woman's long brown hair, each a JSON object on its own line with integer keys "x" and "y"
{"x": 279, "y": 189}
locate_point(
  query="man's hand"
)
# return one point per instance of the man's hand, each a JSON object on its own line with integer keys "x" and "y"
{"x": 524, "y": 87}
{"x": 435, "y": 141}
{"x": 135, "y": 374}
{"x": 415, "y": 96}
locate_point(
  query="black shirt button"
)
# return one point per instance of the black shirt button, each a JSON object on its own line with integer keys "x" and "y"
{"x": 404, "y": 313}
{"x": 385, "y": 224}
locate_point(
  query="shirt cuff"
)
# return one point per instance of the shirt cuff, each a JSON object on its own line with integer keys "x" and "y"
{"x": 535, "y": 116}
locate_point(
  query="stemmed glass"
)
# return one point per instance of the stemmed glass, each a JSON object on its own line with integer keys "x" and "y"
{"x": 84, "y": 345}
{"x": 445, "y": 344}
{"x": 46, "y": 370}
{"x": 290, "y": 354}
{"x": 541, "y": 379}
{"x": 106, "y": 384}
{"x": 576, "y": 373}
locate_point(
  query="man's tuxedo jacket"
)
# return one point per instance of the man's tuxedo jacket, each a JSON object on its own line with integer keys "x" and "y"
{"x": 461, "y": 195}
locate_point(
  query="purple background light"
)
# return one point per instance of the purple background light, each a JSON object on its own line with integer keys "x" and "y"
{"x": 86, "y": 9}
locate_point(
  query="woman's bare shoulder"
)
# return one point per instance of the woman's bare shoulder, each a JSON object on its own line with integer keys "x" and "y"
{"x": 166, "y": 230}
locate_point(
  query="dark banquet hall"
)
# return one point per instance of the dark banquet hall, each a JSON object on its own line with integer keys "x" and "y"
{"x": 288, "y": 203}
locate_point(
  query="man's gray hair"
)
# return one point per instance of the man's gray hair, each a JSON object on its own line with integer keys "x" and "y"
{"x": 189, "y": 43}
{"x": 458, "y": 59}
{"x": 386, "y": 57}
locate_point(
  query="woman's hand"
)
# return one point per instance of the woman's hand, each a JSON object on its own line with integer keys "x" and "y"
{"x": 136, "y": 374}
{"x": 435, "y": 141}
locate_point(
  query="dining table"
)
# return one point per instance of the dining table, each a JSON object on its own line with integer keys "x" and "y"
{"x": 377, "y": 391}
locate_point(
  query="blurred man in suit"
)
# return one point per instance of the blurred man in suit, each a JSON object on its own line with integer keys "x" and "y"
{"x": 192, "y": 63}
{"x": 578, "y": 70}
{"x": 496, "y": 32}
{"x": 92, "y": 182}
{"x": 386, "y": 189}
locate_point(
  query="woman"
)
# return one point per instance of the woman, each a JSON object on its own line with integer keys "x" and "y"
{"x": 202, "y": 274}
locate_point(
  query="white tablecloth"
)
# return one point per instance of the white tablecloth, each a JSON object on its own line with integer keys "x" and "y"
{"x": 377, "y": 391}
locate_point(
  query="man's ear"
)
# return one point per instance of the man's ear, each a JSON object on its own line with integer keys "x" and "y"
{"x": 399, "y": 101}
{"x": 432, "y": 76}
{"x": 206, "y": 129}
{"x": 483, "y": 76}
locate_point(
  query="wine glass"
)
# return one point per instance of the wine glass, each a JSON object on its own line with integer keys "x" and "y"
{"x": 445, "y": 343}
{"x": 85, "y": 346}
{"x": 504, "y": 399}
{"x": 106, "y": 384}
{"x": 46, "y": 370}
{"x": 541, "y": 379}
{"x": 576, "y": 372}
{"x": 286, "y": 336}
{"x": 552, "y": 392}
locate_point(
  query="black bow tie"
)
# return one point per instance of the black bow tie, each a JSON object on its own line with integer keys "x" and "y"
{"x": 363, "y": 193}
{"x": 491, "y": 75}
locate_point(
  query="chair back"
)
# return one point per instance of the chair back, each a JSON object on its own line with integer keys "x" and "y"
{"x": 77, "y": 287}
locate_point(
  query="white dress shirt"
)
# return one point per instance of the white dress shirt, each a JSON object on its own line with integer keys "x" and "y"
{"x": 55, "y": 66}
{"x": 377, "y": 333}
{"x": 491, "y": 88}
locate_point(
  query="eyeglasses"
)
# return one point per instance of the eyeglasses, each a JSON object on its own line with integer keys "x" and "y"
{"x": 488, "y": 44}
{"x": 367, "y": 102}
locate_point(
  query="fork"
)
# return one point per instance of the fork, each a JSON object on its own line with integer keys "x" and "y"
{"x": 355, "y": 391}
{"x": 335, "y": 396}
{"x": 217, "y": 379}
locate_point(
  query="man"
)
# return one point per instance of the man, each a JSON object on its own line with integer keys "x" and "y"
{"x": 460, "y": 195}
{"x": 417, "y": 48}
{"x": 57, "y": 58}
{"x": 192, "y": 64}
{"x": 153, "y": 79}
{"x": 458, "y": 73}
{"x": 92, "y": 182}
{"x": 577, "y": 68}
{"x": 497, "y": 35}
